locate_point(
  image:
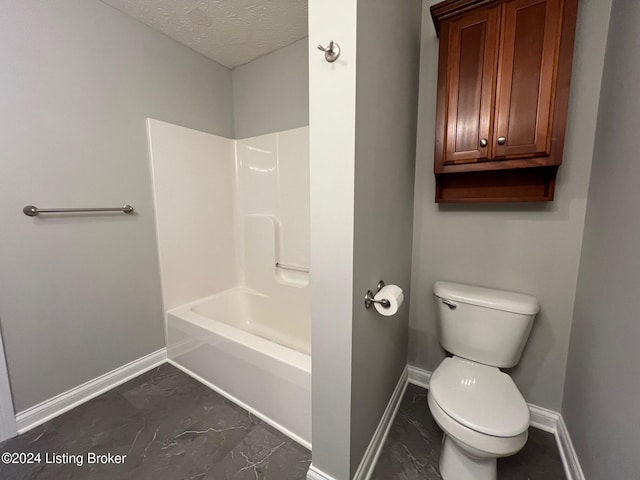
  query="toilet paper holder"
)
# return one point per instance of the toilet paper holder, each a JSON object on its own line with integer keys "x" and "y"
{"x": 370, "y": 300}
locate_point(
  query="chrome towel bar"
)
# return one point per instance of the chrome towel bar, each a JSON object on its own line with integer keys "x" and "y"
{"x": 32, "y": 211}
{"x": 296, "y": 268}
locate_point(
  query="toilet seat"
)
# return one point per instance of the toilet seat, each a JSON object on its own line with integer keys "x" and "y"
{"x": 479, "y": 445}
{"x": 479, "y": 397}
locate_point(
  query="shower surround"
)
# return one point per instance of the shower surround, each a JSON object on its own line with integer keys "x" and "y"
{"x": 228, "y": 211}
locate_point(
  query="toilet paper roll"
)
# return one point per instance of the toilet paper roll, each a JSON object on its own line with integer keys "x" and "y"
{"x": 394, "y": 294}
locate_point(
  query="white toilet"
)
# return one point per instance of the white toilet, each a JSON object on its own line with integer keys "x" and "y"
{"x": 480, "y": 409}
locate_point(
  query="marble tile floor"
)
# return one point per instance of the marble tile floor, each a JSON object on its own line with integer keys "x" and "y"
{"x": 412, "y": 449}
{"x": 171, "y": 427}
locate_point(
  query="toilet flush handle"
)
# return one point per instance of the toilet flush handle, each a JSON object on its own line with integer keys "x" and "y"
{"x": 450, "y": 304}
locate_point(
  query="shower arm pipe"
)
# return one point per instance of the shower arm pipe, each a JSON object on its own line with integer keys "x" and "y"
{"x": 296, "y": 268}
{"x": 33, "y": 211}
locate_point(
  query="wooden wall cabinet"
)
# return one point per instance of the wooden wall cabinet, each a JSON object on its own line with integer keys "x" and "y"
{"x": 503, "y": 90}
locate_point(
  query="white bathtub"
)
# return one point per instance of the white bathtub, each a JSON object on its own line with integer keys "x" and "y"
{"x": 253, "y": 349}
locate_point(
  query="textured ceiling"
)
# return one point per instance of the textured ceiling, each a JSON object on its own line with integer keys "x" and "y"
{"x": 231, "y": 32}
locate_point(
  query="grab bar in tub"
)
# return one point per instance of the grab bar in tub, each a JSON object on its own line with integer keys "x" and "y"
{"x": 296, "y": 268}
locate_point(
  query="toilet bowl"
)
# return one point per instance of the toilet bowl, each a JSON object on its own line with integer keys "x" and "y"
{"x": 482, "y": 414}
{"x": 479, "y": 408}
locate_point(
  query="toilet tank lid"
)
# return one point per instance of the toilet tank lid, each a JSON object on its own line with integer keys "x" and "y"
{"x": 488, "y": 297}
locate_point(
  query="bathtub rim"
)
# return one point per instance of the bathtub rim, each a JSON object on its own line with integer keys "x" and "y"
{"x": 291, "y": 357}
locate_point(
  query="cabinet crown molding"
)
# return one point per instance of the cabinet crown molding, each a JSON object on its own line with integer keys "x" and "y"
{"x": 450, "y": 8}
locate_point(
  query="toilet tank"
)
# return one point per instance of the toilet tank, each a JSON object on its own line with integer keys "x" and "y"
{"x": 482, "y": 324}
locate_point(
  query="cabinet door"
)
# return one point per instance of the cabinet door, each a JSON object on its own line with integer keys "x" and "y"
{"x": 530, "y": 37}
{"x": 471, "y": 53}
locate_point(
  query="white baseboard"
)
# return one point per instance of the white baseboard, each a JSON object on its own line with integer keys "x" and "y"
{"x": 371, "y": 455}
{"x": 567, "y": 452}
{"x": 314, "y": 474}
{"x": 38, "y": 414}
{"x": 418, "y": 376}
{"x": 541, "y": 418}
{"x": 544, "y": 419}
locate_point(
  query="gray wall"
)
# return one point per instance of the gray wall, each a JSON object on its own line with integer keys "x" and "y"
{"x": 388, "y": 58}
{"x": 529, "y": 248}
{"x": 80, "y": 295}
{"x": 600, "y": 405}
{"x": 271, "y": 93}
{"x": 331, "y": 180}
{"x": 361, "y": 216}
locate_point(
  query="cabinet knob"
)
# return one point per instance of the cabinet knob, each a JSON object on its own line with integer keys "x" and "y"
{"x": 484, "y": 142}
{"x": 502, "y": 140}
